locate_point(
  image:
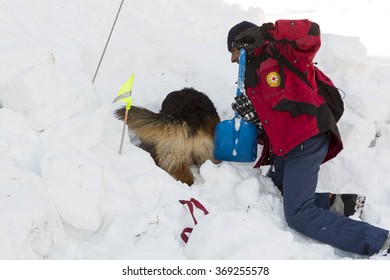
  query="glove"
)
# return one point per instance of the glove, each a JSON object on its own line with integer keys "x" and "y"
{"x": 244, "y": 108}
{"x": 253, "y": 37}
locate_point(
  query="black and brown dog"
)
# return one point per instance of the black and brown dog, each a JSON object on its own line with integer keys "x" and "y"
{"x": 180, "y": 135}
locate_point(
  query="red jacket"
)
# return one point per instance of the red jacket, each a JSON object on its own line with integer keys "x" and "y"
{"x": 289, "y": 110}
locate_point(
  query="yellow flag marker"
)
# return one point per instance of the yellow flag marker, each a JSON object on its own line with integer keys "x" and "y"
{"x": 124, "y": 95}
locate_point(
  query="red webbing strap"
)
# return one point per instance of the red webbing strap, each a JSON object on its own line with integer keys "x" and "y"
{"x": 265, "y": 154}
{"x": 191, "y": 203}
{"x": 184, "y": 233}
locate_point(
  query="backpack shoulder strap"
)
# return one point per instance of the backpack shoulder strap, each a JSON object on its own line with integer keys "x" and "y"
{"x": 284, "y": 61}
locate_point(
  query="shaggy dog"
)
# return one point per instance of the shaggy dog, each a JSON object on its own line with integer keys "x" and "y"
{"x": 180, "y": 135}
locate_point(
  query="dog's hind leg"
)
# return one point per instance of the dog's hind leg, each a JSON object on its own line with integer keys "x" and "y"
{"x": 177, "y": 163}
{"x": 182, "y": 172}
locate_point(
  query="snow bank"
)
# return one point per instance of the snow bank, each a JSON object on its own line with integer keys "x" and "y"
{"x": 66, "y": 193}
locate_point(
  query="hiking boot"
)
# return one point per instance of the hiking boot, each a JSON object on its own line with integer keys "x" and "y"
{"x": 347, "y": 204}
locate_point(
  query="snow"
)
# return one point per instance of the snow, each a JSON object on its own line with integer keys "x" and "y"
{"x": 66, "y": 192}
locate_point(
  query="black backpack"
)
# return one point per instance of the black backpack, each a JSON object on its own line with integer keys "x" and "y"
{"x": 330, "y": 93}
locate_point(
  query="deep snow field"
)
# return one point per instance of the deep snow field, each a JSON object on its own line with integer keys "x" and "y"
{"x": 66, "y": 193}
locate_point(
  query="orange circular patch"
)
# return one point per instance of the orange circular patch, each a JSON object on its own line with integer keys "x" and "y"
{"x": 273, "y": 79}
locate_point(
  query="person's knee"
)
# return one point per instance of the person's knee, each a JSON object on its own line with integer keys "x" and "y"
{"x": 298, "y": 219}
{"x": 292, "y": 219}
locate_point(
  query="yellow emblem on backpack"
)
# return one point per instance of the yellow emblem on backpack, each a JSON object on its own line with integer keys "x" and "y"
{"x": 273, "y": 79}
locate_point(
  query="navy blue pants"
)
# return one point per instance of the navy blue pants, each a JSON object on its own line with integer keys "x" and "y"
{"x": 308, "y": 212}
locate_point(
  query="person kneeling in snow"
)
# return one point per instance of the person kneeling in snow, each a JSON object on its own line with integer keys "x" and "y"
{"x": 299, "y": 132}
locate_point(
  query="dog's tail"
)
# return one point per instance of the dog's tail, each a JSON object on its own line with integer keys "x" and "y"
{"x": 151, "y": 127}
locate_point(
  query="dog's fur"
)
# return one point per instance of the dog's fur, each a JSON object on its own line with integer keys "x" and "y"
{"x": 180, "y": 135}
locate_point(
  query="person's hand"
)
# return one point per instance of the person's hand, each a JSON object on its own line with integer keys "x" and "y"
{"x": 244, "y": 108}
{"x": 253, "y": 38}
